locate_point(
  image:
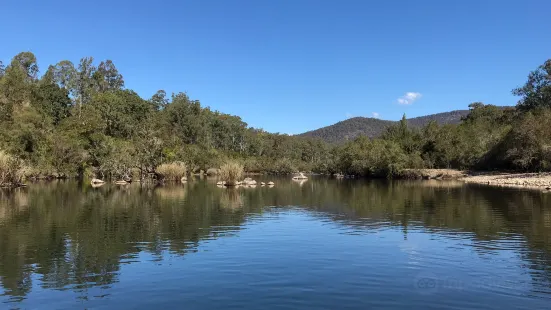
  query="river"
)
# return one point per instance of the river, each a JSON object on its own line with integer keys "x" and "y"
{"x": 320, "y": 244}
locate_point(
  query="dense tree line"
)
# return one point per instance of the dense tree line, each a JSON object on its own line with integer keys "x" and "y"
{"x": 489, "y": 137}
{"x": 81, "y": 120}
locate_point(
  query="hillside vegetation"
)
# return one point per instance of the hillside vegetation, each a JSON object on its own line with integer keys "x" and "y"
{"x": 81, "y": 121}
{"x": 373, "y": 128}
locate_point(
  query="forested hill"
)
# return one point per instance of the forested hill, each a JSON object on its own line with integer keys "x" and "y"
{"x": 373, "y": 127}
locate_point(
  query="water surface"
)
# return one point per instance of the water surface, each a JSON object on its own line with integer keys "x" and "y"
{"x": 325, "y": 244}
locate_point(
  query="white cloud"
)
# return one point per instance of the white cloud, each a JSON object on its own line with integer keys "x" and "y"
{"x": 375, "y": 114}
{"x": 409, "y": 98}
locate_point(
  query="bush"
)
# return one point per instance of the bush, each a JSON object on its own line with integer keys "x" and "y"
{"x": 12, "y": 170}
{"x": 252, "y": 164}
{"x": 527, "y": 147}
{"x": 283, "y": 166}
{"x": 231, "y": 172}
{"x": 172, "y": 171}
{"x": 377, "y": 158}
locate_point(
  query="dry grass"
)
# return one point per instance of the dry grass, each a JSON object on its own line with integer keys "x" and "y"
{"x": 172, "y": 171}
{"x": 12, "y": 170}
{"x": 231, "y": 172}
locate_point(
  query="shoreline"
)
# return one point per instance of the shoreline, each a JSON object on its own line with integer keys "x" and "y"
{"x": 539, "y": 181}
{"x": 534, "y": 180}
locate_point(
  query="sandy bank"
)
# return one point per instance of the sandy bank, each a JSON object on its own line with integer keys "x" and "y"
{"x": 432, "y": 174}
{"x": 540, "y": 181}
{"x": 524, "y": 180}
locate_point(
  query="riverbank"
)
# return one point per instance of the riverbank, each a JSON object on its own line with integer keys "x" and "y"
{"x": 540, "y": 181}
{"x": 523, "y": 180}
{"x": 431, "y": 174}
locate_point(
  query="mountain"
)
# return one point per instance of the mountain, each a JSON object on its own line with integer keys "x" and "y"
{"x": 374, "y": 127}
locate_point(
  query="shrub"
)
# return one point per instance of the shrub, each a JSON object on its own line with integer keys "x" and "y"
{"x": 12, "y": 170}
{"x": 283, "y": 166}
{"x": 172, "y": 171}
{"x": 526, "y": 147}
{"x": 231, "y": 172}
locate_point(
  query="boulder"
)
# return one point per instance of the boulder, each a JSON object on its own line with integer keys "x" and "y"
{"x": 213, "y": 171}
{"x": 97, "y": 181}
{"x": 300, "y": 176}
{"x": 249, "y": 181}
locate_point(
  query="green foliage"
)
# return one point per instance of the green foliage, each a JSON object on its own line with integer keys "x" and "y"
{"x": 536, "y": 93}
{"x": 526, "y": 147}
{"x": 373, "y": 128}
{"x": 52, "y": 101}
{"x": 283, "y": 166}
{"x": 80, "y": 120}
{"x": 371, "y": 157}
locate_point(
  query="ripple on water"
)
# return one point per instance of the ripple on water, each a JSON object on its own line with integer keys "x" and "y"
{"x": 330, "y": 245}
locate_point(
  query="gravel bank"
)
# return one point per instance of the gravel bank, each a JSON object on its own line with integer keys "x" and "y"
{"x": 524, "y": 180}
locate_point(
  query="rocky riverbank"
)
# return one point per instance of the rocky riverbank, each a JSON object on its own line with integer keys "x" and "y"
{"x": 431, "y": 174}
{"x": 524, "y": 180}
{"x": 540, "y": 181}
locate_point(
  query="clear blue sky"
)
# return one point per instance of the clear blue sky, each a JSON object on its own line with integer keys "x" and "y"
{"x": 294, "y": 65}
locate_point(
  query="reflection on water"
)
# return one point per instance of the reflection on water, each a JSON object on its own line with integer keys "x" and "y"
{"x": 460, "y": 244}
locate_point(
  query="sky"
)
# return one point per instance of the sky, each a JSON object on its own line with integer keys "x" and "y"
{"x": 291, "y": 66}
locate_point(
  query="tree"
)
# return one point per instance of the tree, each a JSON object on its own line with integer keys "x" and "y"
{"x": 65, "y": 75}
{"x": 51, "y": 100}
{"x": 27, "y": 61}
{"x": 16, "y": 85}
{"x": 107, "y": 77}
{"x": 2, "y": 69}
{"x": 536, "y": 93}
{"x": 84, "y": 82}
{"x": 159, "y": 100}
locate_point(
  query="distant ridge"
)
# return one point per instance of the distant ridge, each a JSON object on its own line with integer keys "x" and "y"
{"x": 374, "y": 127}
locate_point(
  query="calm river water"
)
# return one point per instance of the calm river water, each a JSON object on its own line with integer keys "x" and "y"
{"x": 322, "y": 244}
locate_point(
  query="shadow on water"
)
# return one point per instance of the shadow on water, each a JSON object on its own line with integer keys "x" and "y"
{"x": 73, "y": 237}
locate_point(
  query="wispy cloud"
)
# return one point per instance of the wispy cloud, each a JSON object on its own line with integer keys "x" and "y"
{"x": 375, "y": 114}
{"x": 409, "y": 98}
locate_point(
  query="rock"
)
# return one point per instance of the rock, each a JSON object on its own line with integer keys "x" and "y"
{"x": 262, "y": 183}
{"x": 300, "y": 176}
{"x": 97, "y": 181}
{"x": 271, "y": 183}
{"x": 249, "y": 181}
{"x": 121, "y": 182}
{"x": 213, "y": 171}
{"x": 221, "y": 183}
{"x": 183, "y": 179}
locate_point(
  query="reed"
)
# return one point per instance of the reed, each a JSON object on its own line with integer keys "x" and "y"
{"x": 172, "y": 171}
{"x": 231, "y": 172}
